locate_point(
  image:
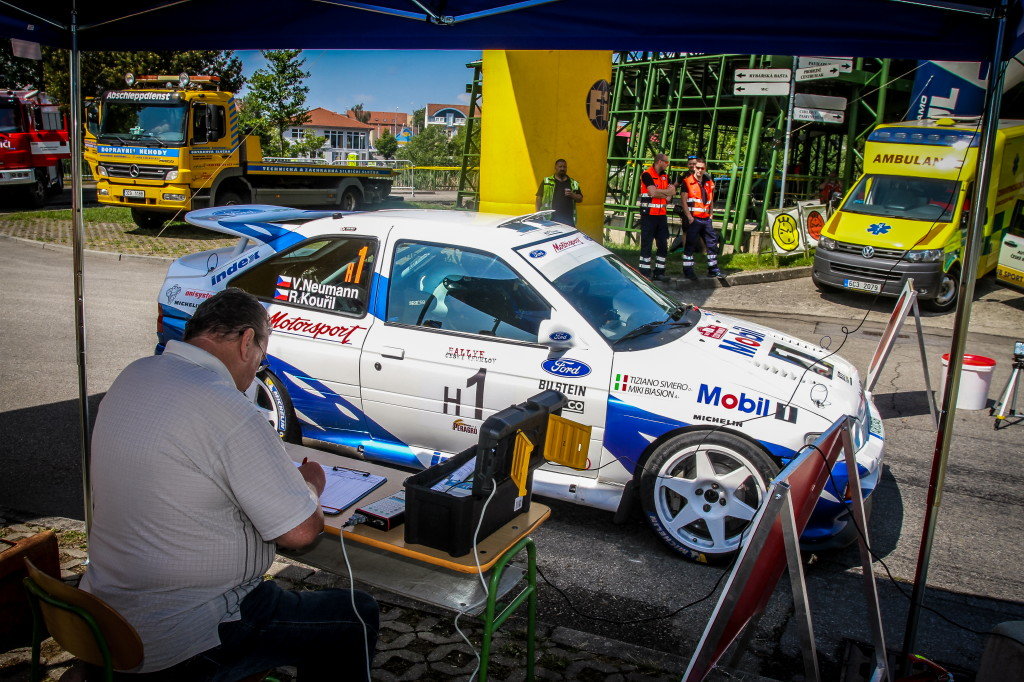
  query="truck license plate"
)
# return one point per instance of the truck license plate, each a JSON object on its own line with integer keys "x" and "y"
{"x": 137, "y": 193}
{"x": 863, "y": 286}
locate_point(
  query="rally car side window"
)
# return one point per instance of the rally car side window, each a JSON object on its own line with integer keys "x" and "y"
{"x": 327, "y": 274}
{"x": 455, "y": 289}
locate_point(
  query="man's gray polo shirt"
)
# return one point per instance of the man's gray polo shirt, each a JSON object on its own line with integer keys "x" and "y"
{"x": 190, "y": 486}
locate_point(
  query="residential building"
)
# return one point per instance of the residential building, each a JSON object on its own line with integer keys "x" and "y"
{"x": 393, "y": 122}
{"x": 451, "y": 116}
{"x": 345, "y": 135}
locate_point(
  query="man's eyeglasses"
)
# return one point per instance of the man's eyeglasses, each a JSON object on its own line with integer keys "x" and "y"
{"x": 263, "y": 363}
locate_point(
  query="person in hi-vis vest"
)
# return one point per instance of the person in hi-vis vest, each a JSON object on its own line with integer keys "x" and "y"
{"x": 696, "y": 200}
{"x": 655, "y": 193}
{"x": 560, "y": 193}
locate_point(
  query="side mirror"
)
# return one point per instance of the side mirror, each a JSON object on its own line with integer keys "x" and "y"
{"x": 555, "y": 335}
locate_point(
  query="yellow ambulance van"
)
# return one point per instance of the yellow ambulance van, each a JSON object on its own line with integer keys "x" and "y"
{"x": 906, "y": 216}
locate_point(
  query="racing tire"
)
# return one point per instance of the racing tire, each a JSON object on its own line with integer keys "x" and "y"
{"x": 701, "y": 489}
{"x": 272, "y": 399}
{"x": 35, "y": 194}
{"x": 948, "y": 293}
{"x": 149, "y": 220}
{"x": 350, "y": 200}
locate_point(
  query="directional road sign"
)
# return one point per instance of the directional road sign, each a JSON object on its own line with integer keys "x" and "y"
{"x": 809, "y": 101}
{"x": 844, "y": 64}
{"x": 813, "y": 73}
{"x": 760, "y": 89}
{"x": 819, "y": 115}
{"x": 763, "y": 75}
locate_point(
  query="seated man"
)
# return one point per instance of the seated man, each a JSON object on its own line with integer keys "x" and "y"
{"x": 192, "y": 492}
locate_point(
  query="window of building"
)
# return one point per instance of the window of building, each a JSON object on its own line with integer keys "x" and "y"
{"x": 297, "y": 133}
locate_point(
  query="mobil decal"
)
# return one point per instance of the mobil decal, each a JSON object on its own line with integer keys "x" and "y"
{"x": 742, "y": 340}
{"x": 748, "y": 404}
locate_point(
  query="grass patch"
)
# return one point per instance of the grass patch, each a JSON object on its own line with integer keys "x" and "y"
{"x": 101, "y": 214}
{"x": 72, "y": 538}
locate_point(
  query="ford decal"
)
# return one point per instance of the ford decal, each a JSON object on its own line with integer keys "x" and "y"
{"x": 566, "y": 367}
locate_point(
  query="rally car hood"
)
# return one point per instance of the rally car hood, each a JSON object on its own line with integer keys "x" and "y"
{"x": 757, "y": 372}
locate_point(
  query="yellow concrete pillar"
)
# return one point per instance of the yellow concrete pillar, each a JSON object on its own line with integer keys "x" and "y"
{"x": 539, "y": 106}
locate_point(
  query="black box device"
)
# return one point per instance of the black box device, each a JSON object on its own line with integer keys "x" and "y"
{"x": 447, "y": 521}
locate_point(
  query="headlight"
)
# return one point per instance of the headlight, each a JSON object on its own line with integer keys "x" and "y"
{"x": 101, "y": 170}
{"x": 827, "y": 243}
{"x": 923, "y": 256}
{"x": 102, "y": 191}
{"x": 171, "y": 175}
{"x": 174, "y": 197}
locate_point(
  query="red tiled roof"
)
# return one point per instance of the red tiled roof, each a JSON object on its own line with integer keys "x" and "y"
{"x": 384, "y": 117}
{"x": 434, "y": 108}
{"x": 325, "y": 118}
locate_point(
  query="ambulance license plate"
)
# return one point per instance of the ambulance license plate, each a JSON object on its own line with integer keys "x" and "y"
{"x": 136, "y": 193}
{"x": 863, "y": 286}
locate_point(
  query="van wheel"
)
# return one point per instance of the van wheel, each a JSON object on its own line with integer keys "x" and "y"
{"x": 272, "y": 399}
{"x": 350, "y": 199}
{"x": 701, "y": 489}
{"x": 35, "y": 194}
{"x": 149, "y": 220}
{"x": 230, "y": 199}
{"x": 949, "y": 290}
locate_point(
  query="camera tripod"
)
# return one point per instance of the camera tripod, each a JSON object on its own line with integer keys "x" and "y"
{"x": 1009, "y": 395}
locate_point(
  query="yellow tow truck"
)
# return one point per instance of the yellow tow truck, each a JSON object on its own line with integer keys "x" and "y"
{"x": 171, "y": 144}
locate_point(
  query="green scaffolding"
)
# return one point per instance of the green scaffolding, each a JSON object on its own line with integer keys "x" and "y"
{"x": 469, "y": 177}
{"x": 683, "y": 104}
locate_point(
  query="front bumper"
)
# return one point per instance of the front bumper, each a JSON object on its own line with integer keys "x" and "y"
{"x": 831, "y": 524}
{"x": 12, "y": 177}
{"x": 166, "y": 198}
{"x": 839, "y": 269}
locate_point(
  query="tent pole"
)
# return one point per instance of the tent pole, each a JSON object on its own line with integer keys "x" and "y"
{"x": 78, "y": 241}
{"x": 968, "y": 276}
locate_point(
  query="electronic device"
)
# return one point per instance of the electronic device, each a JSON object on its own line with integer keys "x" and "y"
{"x": 1018, "y": 350}
{"x": 385, "y": 514}
{"x": 1007, "y": 403}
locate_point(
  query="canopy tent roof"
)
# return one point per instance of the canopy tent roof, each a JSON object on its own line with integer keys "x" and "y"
{"x": 882, "y": 28}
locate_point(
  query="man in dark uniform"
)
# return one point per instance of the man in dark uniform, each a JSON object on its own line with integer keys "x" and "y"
{"x": 655, "y": 193}
{"x": 697, "y": 199}
{"x": 560, "y": 193}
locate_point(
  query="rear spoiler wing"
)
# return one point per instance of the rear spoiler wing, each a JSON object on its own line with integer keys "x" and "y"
{"x": 256, "y": 222}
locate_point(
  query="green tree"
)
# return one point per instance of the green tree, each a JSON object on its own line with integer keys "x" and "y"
{"x": 418, "y": 116}
{"x": 360, "y": 114}
{"x": 387, "y": 145}
{"x": 106, "y": 70}
{"x": 431, "y": 148}
{"x": 276, "y": 100}
{"x": 17, "y": 73}
{"x": 307, "y": 145}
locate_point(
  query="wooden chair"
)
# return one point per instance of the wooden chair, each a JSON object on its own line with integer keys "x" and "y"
{"x": 84, "y": 625}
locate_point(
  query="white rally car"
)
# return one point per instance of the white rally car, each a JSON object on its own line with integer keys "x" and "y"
{"x": 396, "y": 333}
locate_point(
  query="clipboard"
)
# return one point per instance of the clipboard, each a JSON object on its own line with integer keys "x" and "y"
{"x": 345, "y": 487}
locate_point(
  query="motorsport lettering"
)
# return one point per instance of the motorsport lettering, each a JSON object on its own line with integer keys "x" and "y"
{"x": 302, "y": 325}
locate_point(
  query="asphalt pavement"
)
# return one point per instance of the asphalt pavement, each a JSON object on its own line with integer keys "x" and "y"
{"x": 619, "y": 582}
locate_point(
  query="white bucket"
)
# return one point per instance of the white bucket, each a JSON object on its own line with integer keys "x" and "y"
{"x": 975, "y": 379}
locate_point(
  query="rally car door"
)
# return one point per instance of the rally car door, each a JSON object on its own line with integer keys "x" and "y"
{"x": 459, "y": 344}
{"x": 317, "y": 295}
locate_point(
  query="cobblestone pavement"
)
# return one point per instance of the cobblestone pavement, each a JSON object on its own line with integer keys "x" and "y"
{"x": 416, "y": 642}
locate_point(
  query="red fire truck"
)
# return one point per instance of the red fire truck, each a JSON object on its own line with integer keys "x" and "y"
{"x": 33, "y": 140}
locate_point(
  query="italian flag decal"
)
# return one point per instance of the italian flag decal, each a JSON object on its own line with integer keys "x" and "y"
{"x": 621, "y": 382}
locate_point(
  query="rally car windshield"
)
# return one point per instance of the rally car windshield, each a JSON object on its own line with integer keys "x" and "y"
{"x": 621, "y": 304}
{"x": 910, "y": 198}
{"x": 156, "y": 124}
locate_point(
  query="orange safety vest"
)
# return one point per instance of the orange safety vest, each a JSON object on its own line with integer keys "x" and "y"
{"x": 698, "y": 207}
{"x": 653, "y": 206}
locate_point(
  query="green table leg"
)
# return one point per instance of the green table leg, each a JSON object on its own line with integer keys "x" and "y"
{"x": 529, "y": 595}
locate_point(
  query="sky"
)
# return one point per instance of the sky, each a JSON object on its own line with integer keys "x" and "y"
{"x": 382, "y": 80}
